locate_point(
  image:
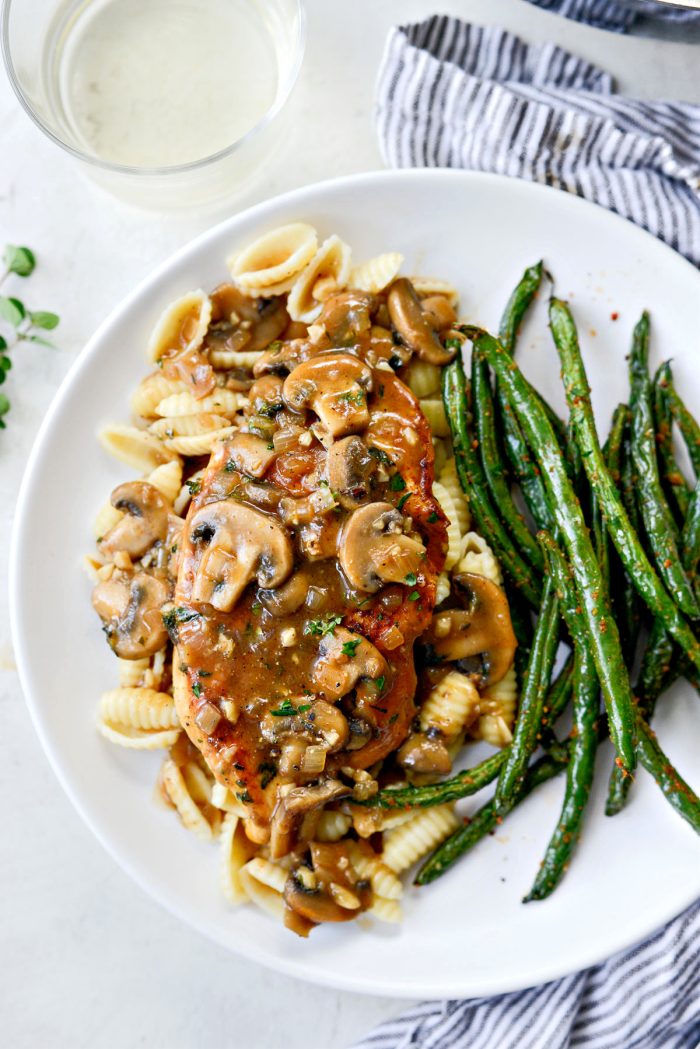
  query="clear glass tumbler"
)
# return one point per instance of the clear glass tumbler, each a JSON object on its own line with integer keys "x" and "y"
{"x": 166, "y": 103}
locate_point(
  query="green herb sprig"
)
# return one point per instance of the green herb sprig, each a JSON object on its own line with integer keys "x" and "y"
{"x": 20, "y": 323}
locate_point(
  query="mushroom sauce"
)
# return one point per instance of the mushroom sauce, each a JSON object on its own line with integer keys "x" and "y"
{"x": 330, "y": 645}
{"x": 303, "y": 576}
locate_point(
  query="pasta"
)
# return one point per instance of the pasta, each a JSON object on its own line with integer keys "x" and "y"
{"x": 452, "y": 705}
{"x": 327, "y": 272}
{"x": 377, "y": 273}
{"x": 183, "y": 325}
{"x": 453, "y": 536}
{"x": 449, "y": 480}
{"x": 267, "y": 518}
{"x": 478, "y": 557}
{"x": 272, "y": 262}
{"x": 406, "y": 844}
{"x": 434, "y": 412}
{"x": 141, "y": 450}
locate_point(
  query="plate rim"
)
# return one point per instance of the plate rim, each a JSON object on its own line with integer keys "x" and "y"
{"x": 295, "y": 967}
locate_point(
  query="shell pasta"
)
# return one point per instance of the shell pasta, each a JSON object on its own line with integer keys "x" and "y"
{"x": 290, "y": 536}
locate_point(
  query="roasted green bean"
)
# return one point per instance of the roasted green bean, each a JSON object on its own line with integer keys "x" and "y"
{"x": 568, "y": 516}
{"x": 474, "y": 484}
{"x": 483, "y": 822}
{"x": 494, "y": 467}
{"x": 659, "y": 523}
{"x": 628, "y": 545}
{"x": 532, "y": 700}
{"x": 584, "y": 734}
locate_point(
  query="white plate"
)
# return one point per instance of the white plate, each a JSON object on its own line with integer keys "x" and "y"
{"x": 468, "y": 934}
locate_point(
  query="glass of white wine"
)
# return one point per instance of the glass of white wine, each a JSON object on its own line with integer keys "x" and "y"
{"x": 167, "y": 103}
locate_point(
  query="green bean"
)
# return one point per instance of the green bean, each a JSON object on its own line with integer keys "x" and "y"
{"x": 494, "y": 467}
{"x": 659, "y": 523}
{"x": 568, "y": 516}
{"x": 690, "y": 536}
{"x": 631, "y": 552}
{"x": 532, "y": 700}
{"x": 675, "y": 483}
{"x": 655, "y": 674}
{"x": 473, "y": 482}
{"x": 483, "y": 822}
{"x": 518, "y": 304}
{"x": 584, "y": 741}
{"x": 524, "y": 470}
{"x": 630, "y": 611}
{"x": 470, "y": 781}
{"x": 674, "y": 788}
{"x": 686, "y": 422}
{"x": 465, "y": 783}
{"x": 522, "y": 628}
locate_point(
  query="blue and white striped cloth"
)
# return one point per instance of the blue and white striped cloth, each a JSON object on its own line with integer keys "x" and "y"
{"x": 616, "y": 15}
{"x": 645, "y": 998}
{"x": 455, "y": 95}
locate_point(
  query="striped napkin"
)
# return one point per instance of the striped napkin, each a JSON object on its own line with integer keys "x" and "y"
{"x": 617, "y": 15}
{"x": 451, "y": 94}
{"x": 454, "y": 95}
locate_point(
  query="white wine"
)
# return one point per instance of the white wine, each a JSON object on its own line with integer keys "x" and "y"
{"x": 156, "y": 83}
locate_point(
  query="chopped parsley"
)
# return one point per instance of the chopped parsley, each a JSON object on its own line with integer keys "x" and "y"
{"x": 319, "y": 628}
{"x": 381, "y": 456}
{"x": 267, "y": 771}
{"x": 403, "y": 500}
{"x": 288, "y": 710}
{"x": 379, "y": 683}
{"x": 270, "y": 410}
{"x": 230, "y": 466}
{"x": 194, "y": 486}
{"x": 245, "y": 797}
{"x": 432, "y": 518}
{"x": 197, "y": 689}
{"x": 411, "y": 578}
{"x": 350, "y": 648}
{"x": 353, "y": 398}
{"x": 173, "y": 616}
{"x": 413, "y": 596}
{"x": 397, "y": 483}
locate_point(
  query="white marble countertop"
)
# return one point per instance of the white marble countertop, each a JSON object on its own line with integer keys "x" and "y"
{"x": 86, "y": 958}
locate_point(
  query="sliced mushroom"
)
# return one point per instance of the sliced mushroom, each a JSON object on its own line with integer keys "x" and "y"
{"x": 130, "y": 610}
{"x": 439, "y": 312}
{"x": 250, "y": 454}
{"x": 145, "y": 521}
{"x": 243, "y": 323}
{"x": 318, "y": 540}
{"x": 242, "y": 544}
{"x": 346, "y": 316}
{"x": 482, "y": 627}
{"x": 329, "y": 890}
{"x": 286, "y": 599}
{"x": 266, "y": 394}
{"x": 335, "y": 386}
{"x": 282, "y": 357}
{"x": 344, "y": 658}
{"x": 349, "y": 469}
{"x": 373, "y": 549}
{"x": 412, "y": 324}
{"x": 292, "y": 806}
{"x": 422, "y": 754}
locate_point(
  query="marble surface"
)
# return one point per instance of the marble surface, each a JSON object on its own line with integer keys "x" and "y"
{"x": 86, "y": 958}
